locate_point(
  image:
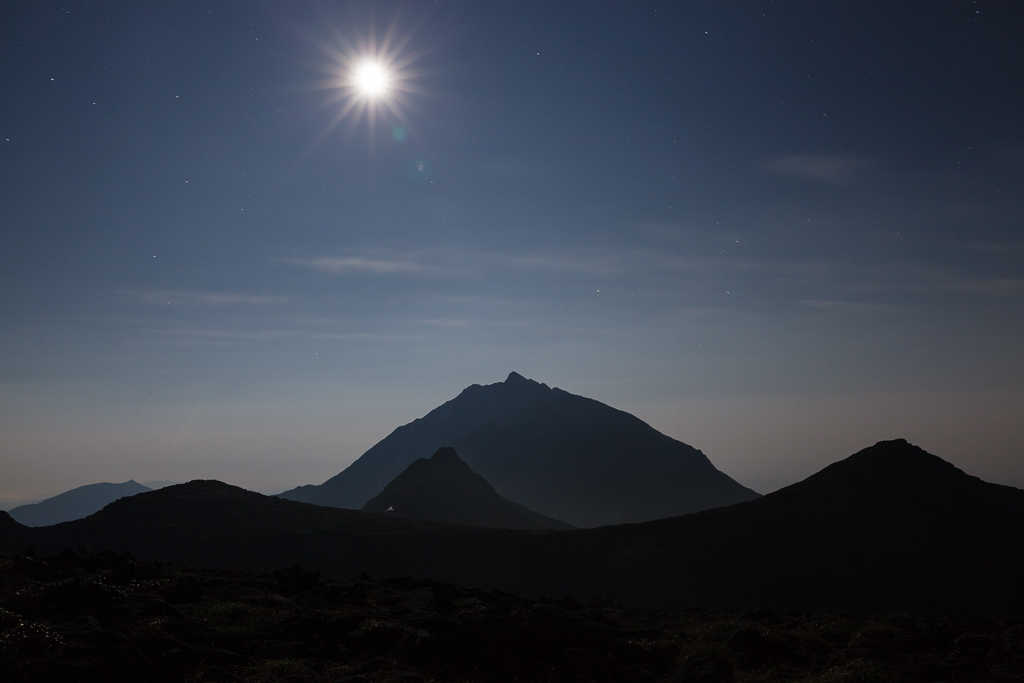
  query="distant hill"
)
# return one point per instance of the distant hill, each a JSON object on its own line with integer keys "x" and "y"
{"x": 75, "y": 504}
{"x": 160, "y": 483}
{"x": 565, "y": 456}
{"x": 445, "y": 489}
{"x": 891, "y": 529}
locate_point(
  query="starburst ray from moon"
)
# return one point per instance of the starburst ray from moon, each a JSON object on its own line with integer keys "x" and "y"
{"x": 370, "y": 79}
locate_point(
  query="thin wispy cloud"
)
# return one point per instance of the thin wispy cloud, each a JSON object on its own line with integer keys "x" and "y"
{"x": 835, "y": 305}
{"x": 829, "y": 169}
{"x": 566, "y": 263}
{"x": 918, "y": 279}
{"x": 362, "y": 265}
{"x": 1001, "y": 286}
{"x": 193, "y": 299}
{"x": 999, "y": 248}
{"x": 615, "y": 262}
{"x": 448, "y": 323}
{"x": 228, "y": 335}
{"x": 598, "y": 263}
{"x": 467, "y": 323}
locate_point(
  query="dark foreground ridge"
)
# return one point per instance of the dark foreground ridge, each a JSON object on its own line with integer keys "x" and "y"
{"x": 564, "y": 456}
{"x": 108, "y": 618}
{"x": 445, "y": 489}
{"x": 891, "y": 529}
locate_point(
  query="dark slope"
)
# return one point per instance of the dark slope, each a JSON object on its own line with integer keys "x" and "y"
{"x": 13, "y": 535}
{"x": 890, "y": 529}
{"x": 75, "y": 504}
{"x": 210, "y": 523}
{"x": 565, "y": 456}
{"x": 445, "y": 489}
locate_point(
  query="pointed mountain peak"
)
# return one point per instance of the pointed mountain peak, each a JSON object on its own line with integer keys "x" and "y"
{"x": 446, "y": 461}
{"x": 445, "y": 455}
{"x": 446, "y": 489}
{"x": 517, "y": 381}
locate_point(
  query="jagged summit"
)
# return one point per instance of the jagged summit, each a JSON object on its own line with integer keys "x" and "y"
{"x": 445, "y": 489}
{"x": 514, "y": 379}
{"x": 446, "y": 457}
{"x": 565, "y": 456}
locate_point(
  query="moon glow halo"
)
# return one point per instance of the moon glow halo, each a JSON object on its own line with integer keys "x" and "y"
{"x": 371, "y": 79}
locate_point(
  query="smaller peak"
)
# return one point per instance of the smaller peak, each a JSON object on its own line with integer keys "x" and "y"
{"x": 445, "y": 454}
{"x": 515, "y": 377}
{"x": 445, "y": 459}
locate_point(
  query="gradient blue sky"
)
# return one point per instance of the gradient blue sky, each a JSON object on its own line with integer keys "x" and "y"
{"x": 777, "y": 231}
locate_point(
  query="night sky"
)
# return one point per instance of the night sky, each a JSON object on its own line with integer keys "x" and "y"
{"x": 776, "y": 231}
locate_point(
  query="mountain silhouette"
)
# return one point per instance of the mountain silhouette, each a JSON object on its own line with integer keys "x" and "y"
{"x": 445, "y": 489}
{"x": 206, "y": 522}
{"x": 75, "y": 504}
{"x": 562, "y": 455}
{"x": 891, "y": 529}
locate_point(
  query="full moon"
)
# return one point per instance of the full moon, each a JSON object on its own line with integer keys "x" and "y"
{"x": 371, "y": 79}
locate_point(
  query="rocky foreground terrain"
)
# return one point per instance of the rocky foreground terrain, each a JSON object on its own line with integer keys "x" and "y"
{"x": 83, "y": 616}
